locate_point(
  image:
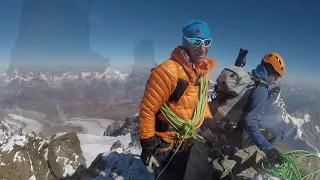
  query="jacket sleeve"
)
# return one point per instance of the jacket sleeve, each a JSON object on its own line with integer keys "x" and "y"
{"x": 254, "y": 108}
{"x": 159, "y": 87}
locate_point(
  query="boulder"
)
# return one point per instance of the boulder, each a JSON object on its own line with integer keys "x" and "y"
{"x": 65, "y": 154}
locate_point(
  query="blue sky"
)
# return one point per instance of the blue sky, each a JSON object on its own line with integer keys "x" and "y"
{"x": 289, "y": 27}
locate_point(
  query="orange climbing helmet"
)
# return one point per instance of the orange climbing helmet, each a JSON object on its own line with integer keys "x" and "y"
{"x": 276, "y": 61}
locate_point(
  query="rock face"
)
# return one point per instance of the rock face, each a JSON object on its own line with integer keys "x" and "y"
{"x": 64, "y": 154}
{"x": 5, "y": 132}
{"x": 26, "y": 158}
{"x": 83, "y": 173}
{"x": 118, "y": 128}
{"x": 247, "y": 164}
{"x": 29, "y": 156}
{"x": 54, "y": 35}
{"x": 119, "y": 163}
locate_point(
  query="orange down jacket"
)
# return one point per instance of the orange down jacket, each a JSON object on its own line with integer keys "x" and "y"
{"x": 175, "y": 81}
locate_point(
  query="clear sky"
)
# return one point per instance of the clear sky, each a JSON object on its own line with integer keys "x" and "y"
{"x": 288, "y": 27}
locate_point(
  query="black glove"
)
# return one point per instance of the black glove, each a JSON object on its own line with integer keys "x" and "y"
{"x": 208, "y": 123}
{"x": 147, "y": 155}
{"x": 149, "y": 159}
{"x": 274, "y": 156}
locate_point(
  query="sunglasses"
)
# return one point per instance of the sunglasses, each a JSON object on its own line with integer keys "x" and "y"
{"x": 197, "y": 42}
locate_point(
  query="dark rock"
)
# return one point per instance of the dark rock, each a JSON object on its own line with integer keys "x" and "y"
{"x": 113, "y": 127}
{"x": 26, "y": 159}
{"x": 83, "y": 173}
{"x": 64, "y": 150}
{"x": 116, "y": 145}
{"x": 118, "y": 128}
{"x": 98, "y": 164}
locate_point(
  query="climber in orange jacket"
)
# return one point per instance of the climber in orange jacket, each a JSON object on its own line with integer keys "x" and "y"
{"x": 176, "y": 83}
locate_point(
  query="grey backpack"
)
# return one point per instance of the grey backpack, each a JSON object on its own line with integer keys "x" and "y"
{"x": 233, "y": 88}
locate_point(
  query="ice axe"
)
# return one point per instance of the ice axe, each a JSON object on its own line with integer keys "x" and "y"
{"x": 241, "y": 59}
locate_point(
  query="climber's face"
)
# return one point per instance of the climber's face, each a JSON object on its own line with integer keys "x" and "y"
{"x": 273, "y": 78}
{"x": 197, "y": 53}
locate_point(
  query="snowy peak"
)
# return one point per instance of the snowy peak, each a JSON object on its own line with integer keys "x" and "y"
{"x": 111, "y": 75}
{"x": 298, "y": 122}
{"x": 107, "y": 75}
{"x": 50, "y": 76}
{"x": 17, "y": 78}
{"x": 291, "y": 130}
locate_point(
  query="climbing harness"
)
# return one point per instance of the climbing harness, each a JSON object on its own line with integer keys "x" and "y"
{"x": 289, "y": 170}
{"x": 186, "y": 128}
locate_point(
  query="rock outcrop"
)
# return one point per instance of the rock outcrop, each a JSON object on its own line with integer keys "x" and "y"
{"x": 29, "y": 156}
{"x": 118, "y": 128}
{"x": 24, "y": 157}
{"x": 64, "y": 154}
{"x": 118, "y": 163}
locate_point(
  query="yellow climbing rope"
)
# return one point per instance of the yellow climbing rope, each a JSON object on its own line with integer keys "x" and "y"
{"x": 186, "y": 129}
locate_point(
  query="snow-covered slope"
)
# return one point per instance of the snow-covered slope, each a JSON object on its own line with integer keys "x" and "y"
{"x": 121, "y": 152}
{"x": 92, "y": 145}
{"x": 21, "y": 147}
{"x": 289, "y": 129}
{"x": 89, "y": 126}
{"x": 13, "y": 124}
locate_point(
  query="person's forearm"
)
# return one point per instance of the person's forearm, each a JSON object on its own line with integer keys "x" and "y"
{"x": 253, "y": 130}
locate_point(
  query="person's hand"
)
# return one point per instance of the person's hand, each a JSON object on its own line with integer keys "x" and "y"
{"x": 208, "y": 123}
{"x": 274, "y": 156}
{"x": 149, "y": 159}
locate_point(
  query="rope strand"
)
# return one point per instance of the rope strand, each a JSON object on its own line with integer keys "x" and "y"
{"x": 186, "y": 128}
{"x": 289, "y": 170}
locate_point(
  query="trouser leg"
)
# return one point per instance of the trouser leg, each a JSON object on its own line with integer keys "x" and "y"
{"x": 176, "y": 169}
{"x": 198, "y": 166}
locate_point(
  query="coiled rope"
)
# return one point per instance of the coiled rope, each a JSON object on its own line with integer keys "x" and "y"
{"x": 186, "y": 129}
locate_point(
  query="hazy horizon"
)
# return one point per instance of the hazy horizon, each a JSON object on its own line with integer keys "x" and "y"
{"x": 289, "y": 28}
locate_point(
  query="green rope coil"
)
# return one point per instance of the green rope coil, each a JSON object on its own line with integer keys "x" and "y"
{"x": 186, "y": 128}
{"x": 289, "y": 170}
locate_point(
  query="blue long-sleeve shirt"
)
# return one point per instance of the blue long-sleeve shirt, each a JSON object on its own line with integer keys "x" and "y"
{"x": 254, "y": 109}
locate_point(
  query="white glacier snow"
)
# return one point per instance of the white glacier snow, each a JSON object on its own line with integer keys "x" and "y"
{"x": 90, "y": 126}
{"x": 28, "y": 126}
{"x": 92, "y": 145}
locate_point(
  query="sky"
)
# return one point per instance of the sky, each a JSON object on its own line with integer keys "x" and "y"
{"x": 288, "y": 27}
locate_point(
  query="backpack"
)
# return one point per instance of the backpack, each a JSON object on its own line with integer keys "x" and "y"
{"x": 232, "y": 90}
